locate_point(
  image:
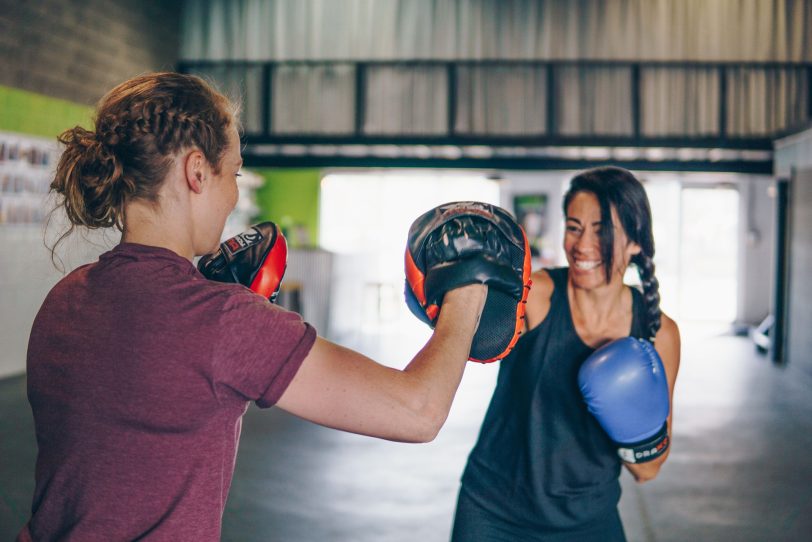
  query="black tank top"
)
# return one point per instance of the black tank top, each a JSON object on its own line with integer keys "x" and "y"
{"x": 541, "y": 459}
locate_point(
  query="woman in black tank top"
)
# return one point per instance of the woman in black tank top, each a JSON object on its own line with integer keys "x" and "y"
{"x": 543, "y": 468}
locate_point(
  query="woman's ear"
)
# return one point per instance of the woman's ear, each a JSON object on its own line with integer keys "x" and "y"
{"x": 196, "y": 171}
{"x": 633, "y": 249}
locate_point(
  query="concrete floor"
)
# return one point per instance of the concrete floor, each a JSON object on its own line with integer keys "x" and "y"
{"x": 740, "y": 467}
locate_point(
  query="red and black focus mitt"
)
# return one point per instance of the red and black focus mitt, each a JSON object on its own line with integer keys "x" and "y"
{"x": 470, "y": 242}
{"x": 256, "y": 258}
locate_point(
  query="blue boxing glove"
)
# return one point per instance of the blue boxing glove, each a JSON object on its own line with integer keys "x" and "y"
{"x": 626, "y": 389}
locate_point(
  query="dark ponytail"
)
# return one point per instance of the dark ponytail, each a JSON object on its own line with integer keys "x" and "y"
{"x": 618, "y": 188}
{"x": 651, "y": 291}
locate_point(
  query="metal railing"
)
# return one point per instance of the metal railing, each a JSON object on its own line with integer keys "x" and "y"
{"x": 263, "y": 135}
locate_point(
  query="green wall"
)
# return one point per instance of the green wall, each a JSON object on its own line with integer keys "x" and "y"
{"x": 36, "y": 114}
{"x": 290, "y": 197}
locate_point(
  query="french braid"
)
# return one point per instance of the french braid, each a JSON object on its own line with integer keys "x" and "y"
{"x": 651, "y": 292}
{"x": 140, "y": 126}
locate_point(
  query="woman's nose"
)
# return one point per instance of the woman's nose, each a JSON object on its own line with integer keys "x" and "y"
{"x": 586, "y": 241}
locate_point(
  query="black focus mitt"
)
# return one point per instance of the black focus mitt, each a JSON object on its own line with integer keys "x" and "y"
{"x": 256, "y": 258}
{"x": 470, "y": 242}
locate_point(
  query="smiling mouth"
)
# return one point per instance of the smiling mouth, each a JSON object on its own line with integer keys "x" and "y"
{"x": 586, "y": 265}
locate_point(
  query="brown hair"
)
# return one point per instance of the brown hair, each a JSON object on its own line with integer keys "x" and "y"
{"x": 139, "y": 126}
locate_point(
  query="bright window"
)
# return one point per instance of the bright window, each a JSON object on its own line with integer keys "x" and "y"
{"x": 364, "y": 220}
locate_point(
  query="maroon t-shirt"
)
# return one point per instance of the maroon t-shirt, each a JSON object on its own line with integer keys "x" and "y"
{"x": 139, "y": 372}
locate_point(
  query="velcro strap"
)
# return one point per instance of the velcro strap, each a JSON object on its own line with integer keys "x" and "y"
{"x": 256, "y": 258}
{"x": 218, "y": 265}
{"x": 243, "y": 241}
{"x": 481, "y": 270}
{"x": 646, "y": 450}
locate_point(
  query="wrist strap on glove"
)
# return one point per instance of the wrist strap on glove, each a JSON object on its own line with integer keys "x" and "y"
{"x": 646, "y": 450}
{"x": 256, "y": 258}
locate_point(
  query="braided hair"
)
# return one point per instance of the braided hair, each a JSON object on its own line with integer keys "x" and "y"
{"x": 139, "y": 127}
{"x": 618, "y": 188}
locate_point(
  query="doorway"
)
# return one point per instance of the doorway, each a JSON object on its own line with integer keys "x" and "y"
{"x": 709, "y": 246}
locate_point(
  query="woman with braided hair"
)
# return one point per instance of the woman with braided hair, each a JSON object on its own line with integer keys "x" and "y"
{"x": 140, "y": 369}
{"x": 543, "y": 467}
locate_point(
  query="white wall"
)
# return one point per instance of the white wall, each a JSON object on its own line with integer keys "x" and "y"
{"x": 793, "y": 159}
{"x": 26, "y": 275}
{"x": 799, "y": 313}
{"x": 756, "y": 248}
{"x": 793, "y": 152}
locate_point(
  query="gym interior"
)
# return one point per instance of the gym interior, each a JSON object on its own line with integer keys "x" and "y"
{"x": 357, "y": 117}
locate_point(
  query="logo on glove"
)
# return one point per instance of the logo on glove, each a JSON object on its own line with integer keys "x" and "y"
{"x": 243, "y": 241}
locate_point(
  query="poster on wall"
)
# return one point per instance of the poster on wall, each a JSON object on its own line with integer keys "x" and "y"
{"x": 531, "y": 212}
{"x": 26, "y": 169}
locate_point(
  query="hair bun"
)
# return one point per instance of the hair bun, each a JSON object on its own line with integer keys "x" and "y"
{"x": 108, "y": 139}
{"x": 88, "y": 176}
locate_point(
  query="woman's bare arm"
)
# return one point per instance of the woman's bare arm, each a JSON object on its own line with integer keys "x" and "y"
{"x": 340, "y": 388}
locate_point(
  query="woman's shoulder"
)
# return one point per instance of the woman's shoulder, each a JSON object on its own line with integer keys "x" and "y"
{"x": 542, "y": 280}
{"x": 228, "y": 295}
{"x": 547, "y": 277}
{"x": 540, "y": 296}
{"x": 668, "y": 343}
{"x": 669, "y": 331}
